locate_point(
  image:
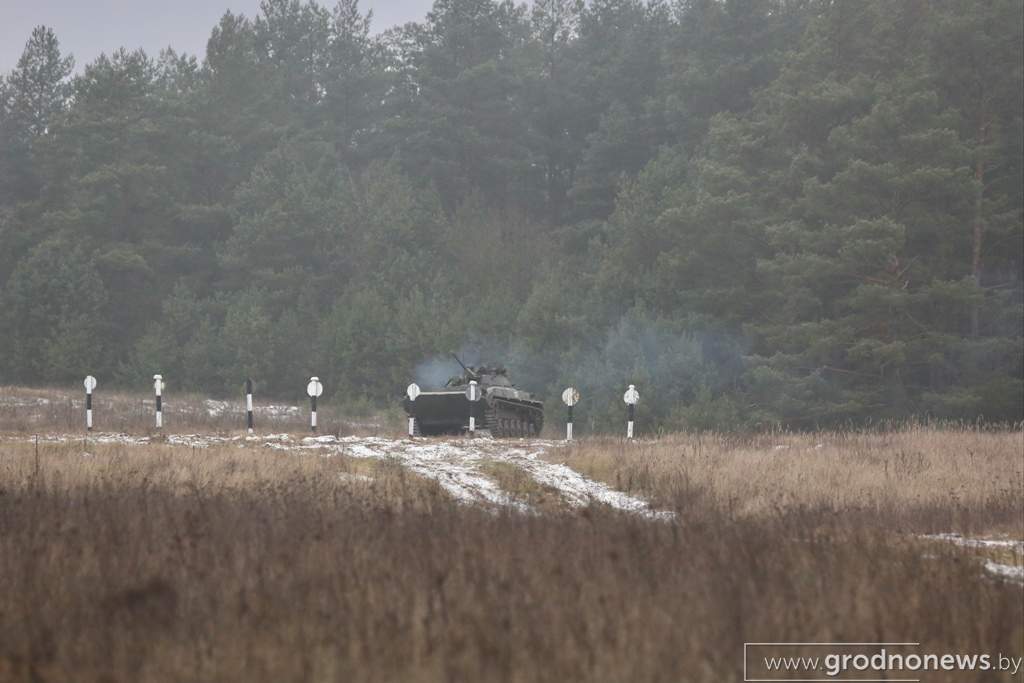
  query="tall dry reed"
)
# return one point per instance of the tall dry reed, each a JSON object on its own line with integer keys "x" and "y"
{"x": 160, "y": 564}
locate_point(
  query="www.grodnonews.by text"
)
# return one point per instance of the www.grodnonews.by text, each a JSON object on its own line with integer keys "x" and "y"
{"x": 835, "y": 664}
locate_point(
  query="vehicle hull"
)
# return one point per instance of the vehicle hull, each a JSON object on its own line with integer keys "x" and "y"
{"x": 503, "y": 413}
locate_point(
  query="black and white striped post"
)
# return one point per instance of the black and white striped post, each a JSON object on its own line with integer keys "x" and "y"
{"x": 314, "y": 389}
{"x": 473, "y": 394}
{"x": 158, "y": 389}
{"x": 412, "y": 391}
{"x": 570, "y": 397}
{"x": 631, "y": 397}
{"x": 248, "y": 405}
{"x": 90, "y": 384}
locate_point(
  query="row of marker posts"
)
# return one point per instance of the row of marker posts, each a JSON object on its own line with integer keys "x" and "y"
{"x": 571, "y": 396}
{"x": 90, "y": 384}
{"x": 315, "y": 389}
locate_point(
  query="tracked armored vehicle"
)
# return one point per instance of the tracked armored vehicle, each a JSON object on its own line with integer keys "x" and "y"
{"x": 502, "y": 410}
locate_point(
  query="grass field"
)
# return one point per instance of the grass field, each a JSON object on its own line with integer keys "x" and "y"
{"x": 194, "y": 558}
{"x": 917, "y": 478}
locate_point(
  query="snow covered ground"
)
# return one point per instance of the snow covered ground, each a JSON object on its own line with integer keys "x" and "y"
{"x": 455, "y": 464}
{"x": 1010, "y": 572}
{"x": 957, "y": 539}
{"x": 270, "y": 411}
{"x": 23, "y": 401}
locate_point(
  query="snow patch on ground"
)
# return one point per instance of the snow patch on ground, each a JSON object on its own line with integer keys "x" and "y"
{"x": 1007, "y": 571}
{"x": 95, "y": 437}
{"x": 576, "y": 489}
{"x": 455, "y": 464}
{"x": 272, "y": 412}
{"x": 191, "y": 440}
{"x": 216, "y": 408}
{"x": 440, "y": 462}
{"x": 277, "y": 412}
{"x": 350, "y": 476}
{"x": 957, "y": 539}
{"x": 23, "y": 402}
{"x": 1010, "y": 572}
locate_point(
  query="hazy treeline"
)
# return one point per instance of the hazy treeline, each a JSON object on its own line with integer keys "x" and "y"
{"x": 793, "y": 211}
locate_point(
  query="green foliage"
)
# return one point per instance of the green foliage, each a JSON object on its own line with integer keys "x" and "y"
{"x": 54, "y": 316}
{"x": 763, "y": 214}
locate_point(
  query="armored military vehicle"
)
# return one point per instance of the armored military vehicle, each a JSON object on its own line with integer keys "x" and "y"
{"x": 502, "y": 410}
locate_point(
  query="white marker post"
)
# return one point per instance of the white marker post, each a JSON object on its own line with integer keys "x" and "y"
{"x": 314, "y": 389}
{"x": 570, "y": 397}
{"x": 412, "y": 391}
{"x": 248, "y": 406}
{"x": 473, "y": 394}
{"x": 631, "y": 397}
{"x": 90, "y": 384}
{"x": 158, "y": 389}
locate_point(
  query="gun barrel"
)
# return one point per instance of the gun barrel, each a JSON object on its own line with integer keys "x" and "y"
{"x": 468, "y": 371}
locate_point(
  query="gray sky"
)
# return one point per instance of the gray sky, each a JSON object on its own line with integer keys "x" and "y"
{"x": 88, "y": 27}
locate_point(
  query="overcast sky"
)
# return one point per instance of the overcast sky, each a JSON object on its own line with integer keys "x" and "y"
{"x": 88, "y": 27}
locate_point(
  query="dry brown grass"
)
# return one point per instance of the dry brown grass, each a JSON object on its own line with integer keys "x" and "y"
{"x": 245, "y": 564}
{"x": 915, "y": 479}
{"x": 522, "y": 487}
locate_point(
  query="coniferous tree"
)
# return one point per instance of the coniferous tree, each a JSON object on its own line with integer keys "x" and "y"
{"x": 790, "y": 212}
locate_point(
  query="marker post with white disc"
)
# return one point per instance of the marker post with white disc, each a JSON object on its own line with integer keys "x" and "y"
{"x": 249, "y": 423}
{"x": 158, "y": 390}
{"x": 412, "y": 391}
{"x": 473, "y": 394}
{"x": 631, "y": 397}
{"x": 570, "y": 397}
{"x": 314, "y": 389}
{"x": 90, "y": 384}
